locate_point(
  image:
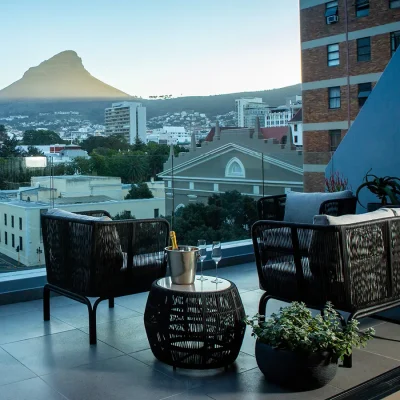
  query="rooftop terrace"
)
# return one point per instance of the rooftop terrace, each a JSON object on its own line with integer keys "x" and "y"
{"x": 54, "y": 361}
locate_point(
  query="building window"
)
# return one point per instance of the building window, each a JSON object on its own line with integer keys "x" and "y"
{"x": 216, "y": 187}
{"x": 331, "y": 9}
{"x": 156, "y": 213}
{"x": 235, "y": 169}
{"x": 169, "y": 184}
{"x": 20, "y": 224}
{"x": 296, "y": 139}
{"x": 12, "y": 240}
{"x": 364, "y": 49}
{"x": 20, "y": 244}
{"x": 334, "y": 97}
{"x": 333, "y": 55}
{"x": 5, "y": 219}
{"x": 5, "y": 238}
{"x": 395, "y": 41}
{"x": 362, "y": 8}
{"x": 256, "y": 189}
{"x": 295, "y": 127}
{"x": 335, "y": 138}
{"x": 364, "y": 90}
{"x": 191, "y": 185}
{"x": 12, "y": 221}
{"x": 394, "y": 3}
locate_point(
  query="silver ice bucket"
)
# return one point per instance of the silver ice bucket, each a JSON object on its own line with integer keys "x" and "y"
{"x": 182, "y": 264}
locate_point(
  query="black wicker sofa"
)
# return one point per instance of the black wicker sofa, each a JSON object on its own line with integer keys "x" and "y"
{"x": 352, "y": 261}
{"x": 93, "y": 256}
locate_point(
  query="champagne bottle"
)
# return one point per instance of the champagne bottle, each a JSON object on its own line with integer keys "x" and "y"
{"x": 174, "y": 243}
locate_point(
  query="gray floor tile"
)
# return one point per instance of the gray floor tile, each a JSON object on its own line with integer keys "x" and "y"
{"x": 18, "y": 308}
{"x": 388, "y": 348}
{"x": 77, "y": 314}
{"x": 31, "y": 389}
{"x": 252, "y": 385}
{"x": 193, "y": 378}
{"x": 12, "y": 370}
{"x": 244, "y": 276}
{"x": 127, "y": 335}
{"x": 365, "y": 366}
{"x": 189, "y": 395}
{"x": 122, "y": 378}
{"x": 28, "y": 325}
{"x": 136, "y": 302}
{"x": 55, "y": 301}
{"x": 52, "y": 353}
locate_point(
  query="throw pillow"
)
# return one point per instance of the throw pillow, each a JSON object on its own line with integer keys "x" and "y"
{"x": 301, "y": 207}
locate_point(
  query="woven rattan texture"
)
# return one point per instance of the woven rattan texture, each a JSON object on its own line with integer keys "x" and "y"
{"x": 195, "y": 330}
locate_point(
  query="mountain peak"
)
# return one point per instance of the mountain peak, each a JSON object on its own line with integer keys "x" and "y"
{"x": 61, "y": 76}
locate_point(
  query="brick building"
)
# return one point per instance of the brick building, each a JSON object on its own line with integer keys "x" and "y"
{"x": 346, "y": 45}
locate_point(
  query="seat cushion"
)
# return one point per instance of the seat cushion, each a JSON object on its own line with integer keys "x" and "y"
{"x": 280, "y": 280}
{"x": 301, "y": 207}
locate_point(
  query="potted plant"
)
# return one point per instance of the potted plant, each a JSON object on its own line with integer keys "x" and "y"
{"x": 336, "y": 183}
{"x": 386, "y": 188}
{"x": 299, "y": 351}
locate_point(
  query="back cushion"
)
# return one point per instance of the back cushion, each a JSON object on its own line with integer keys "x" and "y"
{"x": 301, "y": 207}
{"x": 353, "y": 219}
{"x": 108, "y": 243}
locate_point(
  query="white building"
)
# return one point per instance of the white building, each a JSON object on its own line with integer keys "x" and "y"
{"x": 281, "y": 115}
{"x": 241, "y": 104}
{"x": 169, "y": 135}
{"x": 127, "y": 119}
{"x": 20, "y": 210}
{"x": 296, "y": 128}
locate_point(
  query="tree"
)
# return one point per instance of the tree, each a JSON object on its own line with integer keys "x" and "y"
{"x": 41, "y": 137}
{"x": 139, "y": 191}
{"x": 226, "y": 217}
{"x": 33, "y": 151}
{"x": 124, "y": 215}
{"x": 3, "y": 133}
{"x": 107, "y": 142}
{"x": 9, "y": 148}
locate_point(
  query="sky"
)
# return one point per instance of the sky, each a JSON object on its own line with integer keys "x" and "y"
{"x": 157, "y": 47}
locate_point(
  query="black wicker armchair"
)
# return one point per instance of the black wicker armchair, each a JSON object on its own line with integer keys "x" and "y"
{"x": 356, "y": 266}
{"x": 273, "y": 207}
{"x": 97, "y": 257}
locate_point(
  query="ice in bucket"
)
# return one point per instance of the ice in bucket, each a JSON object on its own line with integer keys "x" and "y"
{"x": 182, "y": 263}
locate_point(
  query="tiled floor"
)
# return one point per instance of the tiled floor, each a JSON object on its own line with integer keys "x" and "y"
{"x": 54, "y": 361}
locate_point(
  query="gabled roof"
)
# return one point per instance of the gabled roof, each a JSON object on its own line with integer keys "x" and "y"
{"x": 298, "y": 117}
{"x": 210, "y": 136}
{"x": 275, "y": 132}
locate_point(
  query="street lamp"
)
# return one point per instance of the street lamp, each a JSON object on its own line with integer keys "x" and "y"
{"x": 39, "y": 251}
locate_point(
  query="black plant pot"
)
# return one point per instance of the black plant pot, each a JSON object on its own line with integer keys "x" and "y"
{"x": 294, "y": 370}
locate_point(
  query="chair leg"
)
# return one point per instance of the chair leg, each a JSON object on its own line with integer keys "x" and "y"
{"x": 46, "y": 303}
{"x": 263, "y": 305}
{"x": 111, "y": 302}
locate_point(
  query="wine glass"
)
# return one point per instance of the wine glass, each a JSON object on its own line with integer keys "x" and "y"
{"x": 216, "y": 255}
{"x": 201, "y": 244}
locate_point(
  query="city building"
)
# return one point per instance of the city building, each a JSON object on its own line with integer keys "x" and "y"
{"x": 168, "y": 135}
{"x": 251, "y": 111}
{"x": 126, "y": 119}
{"x": 296, "y": 128}
{"x": 231, "y": 159}
{"x": 20, "y": 230}
{"x": 281, "y": 115}
{"x": 242, "y": 104}
{"x": 345, "y": 48}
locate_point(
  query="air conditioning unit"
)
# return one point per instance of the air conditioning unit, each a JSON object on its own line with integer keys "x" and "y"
{"x": 332, "y": 19}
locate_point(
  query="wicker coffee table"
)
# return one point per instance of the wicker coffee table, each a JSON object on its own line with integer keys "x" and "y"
{"x": 197, "y": 326}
